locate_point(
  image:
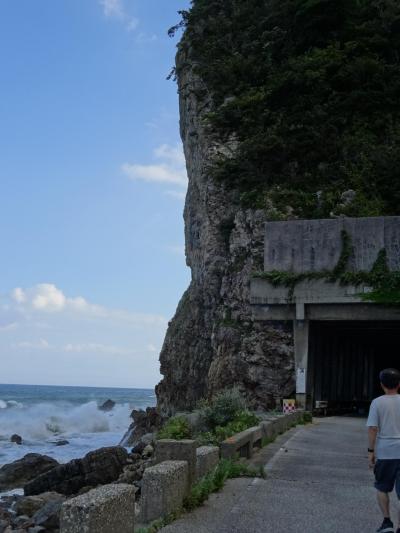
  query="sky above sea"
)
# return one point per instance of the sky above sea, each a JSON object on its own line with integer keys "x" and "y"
{"x": 92, "y": 187}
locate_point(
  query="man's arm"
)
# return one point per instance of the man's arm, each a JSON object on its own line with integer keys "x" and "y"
{"x": 372, "y": 433}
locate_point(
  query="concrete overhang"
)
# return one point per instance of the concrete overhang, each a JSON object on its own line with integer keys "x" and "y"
{"x": 311, "y": 246}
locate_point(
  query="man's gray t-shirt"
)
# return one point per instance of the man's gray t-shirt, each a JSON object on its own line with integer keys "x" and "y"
{"x": 384, "y": 413}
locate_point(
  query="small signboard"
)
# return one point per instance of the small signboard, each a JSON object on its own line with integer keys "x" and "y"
{"x": 301, "y": 381}
{"x": 289, "y": 406}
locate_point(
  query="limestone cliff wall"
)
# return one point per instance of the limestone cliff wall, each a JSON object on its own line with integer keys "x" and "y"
{"x": 212, "y": 342}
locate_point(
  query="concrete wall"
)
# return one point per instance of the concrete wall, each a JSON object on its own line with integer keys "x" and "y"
{"x": 164, "y": 487}
{"x": 103, "y": 510}
{"x": 207, "y": 459}
{"x": 315, "y": 245}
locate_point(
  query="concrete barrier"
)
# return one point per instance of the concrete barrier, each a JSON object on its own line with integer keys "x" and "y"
{"x": 178, "y": 450}
{"x": 164, "y": 486}
{"x": 207, "y": 460}
{"x": 102, "y": 510}
{"x": 243, "y": 444}
{"x": 274, "y": 426}
{"x": 239, "y": 445}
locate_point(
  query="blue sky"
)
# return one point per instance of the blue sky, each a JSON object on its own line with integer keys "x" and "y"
{"x": 92, "y": 183}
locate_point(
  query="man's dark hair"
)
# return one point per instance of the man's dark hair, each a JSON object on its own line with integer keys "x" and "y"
{"x": 390, "y": 378}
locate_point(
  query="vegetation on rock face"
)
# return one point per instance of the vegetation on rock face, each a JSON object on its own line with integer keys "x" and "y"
{"x": 222, "y": 417}
{"x": 307, "y": 94}
{"x": 223, "y": 408}
{"x": 176, "y": 428}
{"x": 225, "y": 415}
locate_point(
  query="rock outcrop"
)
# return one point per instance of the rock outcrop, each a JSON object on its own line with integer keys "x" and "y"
{"x": 96, "y": 468}
{"x": 17, "y": 473}
{"x": 212, "y": 342}
{"x": 144, "y": 423}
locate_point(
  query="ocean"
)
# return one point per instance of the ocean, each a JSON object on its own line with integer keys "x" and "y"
{"x": 43, "y": 415}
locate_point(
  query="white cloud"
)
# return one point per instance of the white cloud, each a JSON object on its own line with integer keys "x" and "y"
{"x": 180, "y": 195}
{"x": 47, "y": 298}
{"x": 171, "y": 153}
{"x": 41, "y": 344}
{"x": 145, "y": 38}
{"x": 9, "y": 327}
{"x": 76, "y": 342}
{"x": 112, "y": 8}
{"x": 155, "y": 173}
{"x": 171, "y": 168}
{"x": 177, "y": 249}
{"x": 96, "y": 348}
{"x": 116, "y": 9}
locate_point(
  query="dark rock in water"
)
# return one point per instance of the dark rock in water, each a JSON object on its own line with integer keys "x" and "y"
{"x": 107, "y": 405}
{"x": 149, "y": 421}
{"x": 18, "y": 473}
{"x": 16, "y": 438}
{"x": 61, "y": 442}
{"x": 96, "y": 468}
{"x": 36, "y": 529}
{"x": 49, "y": 515}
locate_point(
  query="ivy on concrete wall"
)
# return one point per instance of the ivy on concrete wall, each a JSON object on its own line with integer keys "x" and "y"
{"x": 384, "y": 284}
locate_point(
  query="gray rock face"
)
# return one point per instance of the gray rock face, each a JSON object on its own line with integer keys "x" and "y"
{"x": 144, "y": 423}
{"x": 212, "y": 342}
{"x": 96, "y": 468}
{"x": 17, "y": 473}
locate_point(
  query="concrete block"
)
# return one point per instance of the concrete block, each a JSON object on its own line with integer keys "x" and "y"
{"x": 257, "y": 436}
{"x": 271, "y": 428}
{"x": 178, "y": 450}
{"x": 164, "y": 487}
{"x": 207, "y": 460}
{"x": 240, "y": 445}
{"x": 102, "y": 510}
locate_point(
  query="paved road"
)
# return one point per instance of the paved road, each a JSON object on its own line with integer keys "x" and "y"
{"x": 317, "y": 482}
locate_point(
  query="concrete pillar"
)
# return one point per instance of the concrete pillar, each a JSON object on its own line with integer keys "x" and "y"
{"x": 301, "y": 331}
{"x": 102, "y": 510}
{"x": 178, "y": 450}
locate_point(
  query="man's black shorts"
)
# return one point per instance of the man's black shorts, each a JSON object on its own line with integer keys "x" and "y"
{"x": 387, "y": 475}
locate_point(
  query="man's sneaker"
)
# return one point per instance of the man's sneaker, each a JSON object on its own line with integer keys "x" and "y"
{"x": 386, "y": 527}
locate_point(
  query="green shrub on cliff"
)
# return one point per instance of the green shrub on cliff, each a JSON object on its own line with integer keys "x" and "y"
{"x": 222, "y": 408}
{"x": 309, "y": 90}
{"x": 176, "y": 428}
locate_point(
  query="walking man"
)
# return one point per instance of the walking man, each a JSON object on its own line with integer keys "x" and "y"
{"x": 384, "y": 444}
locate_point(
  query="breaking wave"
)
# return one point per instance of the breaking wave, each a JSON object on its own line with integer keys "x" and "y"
{"x": 43, "y": 421}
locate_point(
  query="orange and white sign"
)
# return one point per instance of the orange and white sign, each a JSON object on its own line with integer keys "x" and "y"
{"x": 289, "y": 406}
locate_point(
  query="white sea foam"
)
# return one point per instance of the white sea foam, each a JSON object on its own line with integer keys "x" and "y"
{"x": 44, "y": 420}
{"x": 41, "y": 425}
{"x": 10, "y": 404}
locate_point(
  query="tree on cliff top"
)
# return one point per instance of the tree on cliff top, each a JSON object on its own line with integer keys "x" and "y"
{"x": 310, "y": 90}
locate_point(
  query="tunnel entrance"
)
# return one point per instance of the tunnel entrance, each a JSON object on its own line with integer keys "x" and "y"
{"x": 345, "y": 359}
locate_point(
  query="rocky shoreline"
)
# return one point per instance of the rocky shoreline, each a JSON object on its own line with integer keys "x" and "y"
{"x": 46, "y": 484}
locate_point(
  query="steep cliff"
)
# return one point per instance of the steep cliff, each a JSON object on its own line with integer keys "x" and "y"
{"x": 289, "y": 109}
{"x": 212, "y": 342}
